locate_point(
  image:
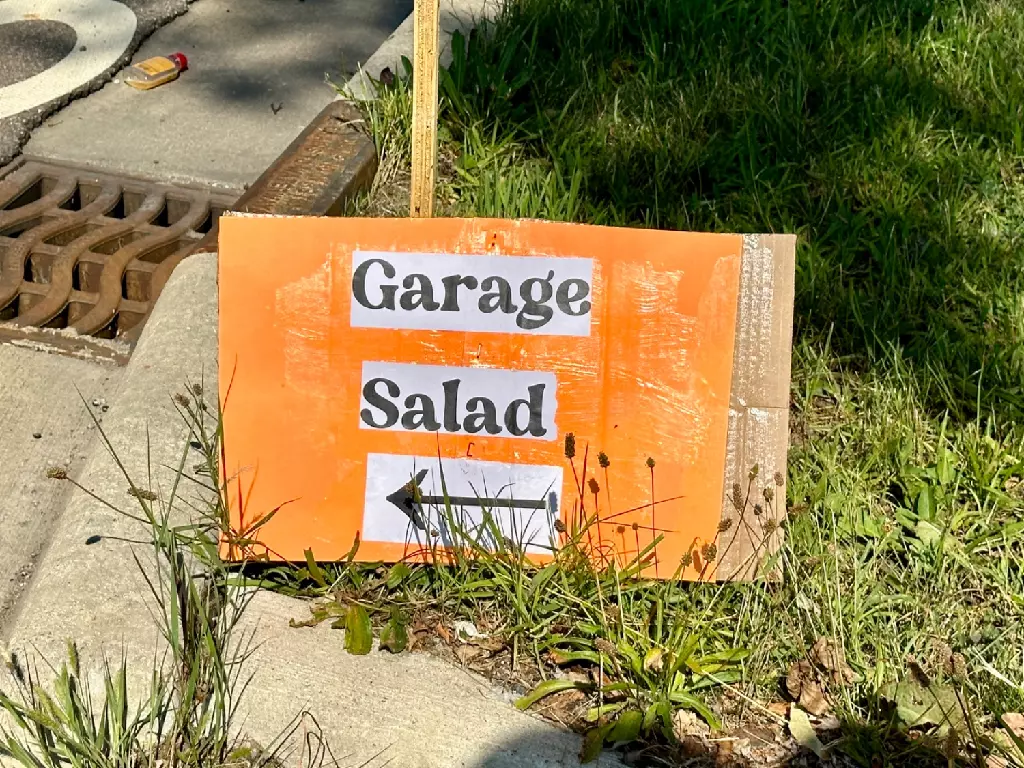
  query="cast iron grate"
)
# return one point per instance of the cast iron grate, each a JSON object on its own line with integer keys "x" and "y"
{"x": 88, "y": 252}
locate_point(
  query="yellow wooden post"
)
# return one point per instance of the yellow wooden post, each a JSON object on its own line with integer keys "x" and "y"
{"x": 424, "y": 108}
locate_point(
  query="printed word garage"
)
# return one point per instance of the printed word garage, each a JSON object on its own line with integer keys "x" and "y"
{"x": 376, "y": 285}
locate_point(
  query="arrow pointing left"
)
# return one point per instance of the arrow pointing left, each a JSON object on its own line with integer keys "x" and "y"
{"x": 410, "y": 500}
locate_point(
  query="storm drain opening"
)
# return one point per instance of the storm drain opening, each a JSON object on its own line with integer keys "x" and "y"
{"x": 83, "y": 256}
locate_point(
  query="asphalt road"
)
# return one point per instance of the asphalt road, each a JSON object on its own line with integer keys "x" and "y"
{"x": 31, "y": 46}
{"x": 32, "y": 43}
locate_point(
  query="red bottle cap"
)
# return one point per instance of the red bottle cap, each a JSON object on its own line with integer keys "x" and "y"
{"x": 180, "y": 60}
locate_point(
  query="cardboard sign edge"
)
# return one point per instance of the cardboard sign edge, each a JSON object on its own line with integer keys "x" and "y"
{"x": 758, "y": 433}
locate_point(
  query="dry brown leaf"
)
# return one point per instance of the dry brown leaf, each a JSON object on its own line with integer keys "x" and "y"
{"x": 416, "y": 639}
{"x": 578, "y": 676}
{"x": 754, "y": 733}
{"x": 467, "y": 653}
{"x": 691, "y": 746}
{"x": 828, "y": 722}
{"x": 565, "y": 707}
{"x": 1015, "y": 722}
{"x": 443, "y": 632}
{"x": 489, "y": 644}
{"x": 653, "y": 661}
{"x": 803, "y": 685}
{"x": 724, "y": 757}
{"x": 687, "y": 723}
{"x": 799, "y": 672}
{"x": 780, "y": 708}
{"x": 812, "y": 699}
{"x": 830, "y": 657}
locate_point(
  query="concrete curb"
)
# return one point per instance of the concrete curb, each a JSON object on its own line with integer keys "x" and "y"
{"x": 95, "y": 593}
{"x": 39, "y": 433}
{"x": 455, "y": 15}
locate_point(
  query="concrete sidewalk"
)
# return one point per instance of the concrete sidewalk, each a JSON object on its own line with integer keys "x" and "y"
{"x": 257, "y": 76}
{"x": 54, "y": 430}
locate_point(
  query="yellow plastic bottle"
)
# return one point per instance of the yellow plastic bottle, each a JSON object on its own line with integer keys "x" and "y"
{"x": 155, "y": 71}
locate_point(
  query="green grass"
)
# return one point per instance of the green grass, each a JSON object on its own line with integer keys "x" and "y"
{"x": 656, "y": 646}
{"x": 182, "y": 709}
{"x": 888, "y": 135}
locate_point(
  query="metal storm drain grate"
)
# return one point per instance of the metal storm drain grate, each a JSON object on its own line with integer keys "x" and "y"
{"x": 87, "y": 254}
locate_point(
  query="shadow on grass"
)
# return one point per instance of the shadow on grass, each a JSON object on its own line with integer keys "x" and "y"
{"x": 887, "y": 134}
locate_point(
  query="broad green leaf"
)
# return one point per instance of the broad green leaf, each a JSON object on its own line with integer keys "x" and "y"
{"x": 721, "y": 657}
{"x": 547, "y": 688}
{"x": 618, "y": 687}
{"x": 820, "y": 489}
{"x": 394, "y": 636}
{"x": 725, "y": 677}
{"x": 542, "y": 577}
{"x": 664, "y": 711}
{"x": 692, "y": 702}
{"x": 626, "y": 727}
{"x": 576, "y": 642}
{"x": 358, "y": 632}
{"x": 593, "y": 743}
{"x": 926, "y": 503}
{"x": 936, "y": 705}
{"x": 944, "y": 467}
{"x": 650, "y": 715}
{"x": 596, "y": 713}
{"x": 399, "y": 572}
{"x": 866, "y": 525}
{"x": 684, "y": 654}
{"x": 928, "y": 533}
{"x": 917, "y": 705}
{"x": 635, "y": 662}
{"x": 314, "y": 569}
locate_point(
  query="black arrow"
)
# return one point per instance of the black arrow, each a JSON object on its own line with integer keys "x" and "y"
{"x": 410, "y": 500}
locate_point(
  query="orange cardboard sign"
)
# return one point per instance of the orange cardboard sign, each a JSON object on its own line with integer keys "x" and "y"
{"x": 398, "y": 380}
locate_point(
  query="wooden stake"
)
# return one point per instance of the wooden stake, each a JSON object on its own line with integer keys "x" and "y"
{"x": 424, "y": 108}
